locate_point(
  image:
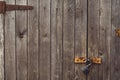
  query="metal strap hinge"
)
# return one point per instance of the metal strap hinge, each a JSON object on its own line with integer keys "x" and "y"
{"x": 8, "y": 7}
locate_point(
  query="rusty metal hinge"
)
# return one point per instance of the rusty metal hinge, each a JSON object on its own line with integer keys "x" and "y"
{"x": 8, "y": 7}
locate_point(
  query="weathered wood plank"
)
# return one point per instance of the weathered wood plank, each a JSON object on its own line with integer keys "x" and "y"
{"x": 68, "y": 40}
{"x": 1, "y": 47}
{"x": 10, "y": 59}
{"x": 44, "y": 28}
{"x": 93, "y": 35}
{"x": 80, "y": 36}
{"x": 115, "y": 41}
{"x": 104, "y": 41}
{"x": 33, "y": 41}
{"x": 56, "y": 39}
{"x": 21, "y": 42}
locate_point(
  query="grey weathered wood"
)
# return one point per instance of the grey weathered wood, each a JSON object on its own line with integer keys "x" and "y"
{"x": 10, "y": 60}
{"x": 44, "y": 28}
{"x": 115, "y": 41}
{"x": 21, "y": 42}
{"x": 56, "y": 39}
{"x": 80, "y": 36}
{"x": 68, "y": 40}
{"x": 1, "y": 47}
{"x": 104, "y": 41}
{"x": 93, "y": 35}
{"x": 56, "y": 35}
{"x": 33, "y": 41}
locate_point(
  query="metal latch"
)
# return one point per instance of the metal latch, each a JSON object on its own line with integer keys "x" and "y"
{"x": 82, "y": 60}
{"x": 8, "y": 7}
{"x": 88, "y": 62}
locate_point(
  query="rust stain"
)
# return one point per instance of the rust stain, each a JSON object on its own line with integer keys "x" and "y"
{"x": 117, "y": 31}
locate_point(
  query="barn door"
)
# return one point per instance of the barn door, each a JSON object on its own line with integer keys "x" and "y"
{"x": 41, "y": 44}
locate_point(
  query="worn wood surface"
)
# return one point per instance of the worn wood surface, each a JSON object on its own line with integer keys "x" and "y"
{"x": 105, "y": 39}
{"x": 80, "y": 35}
{"x": 41, "y": 44}
{"x": 115, "y": 41}
{"x": 68, "y": 39}
{"x": 33, "y": 41}
{"x": 56, "y": 39}
{"x": 10, "y": 59}
{"x": 1, "y": 47}
{"x": 93, "y": 35}
{"x": 21, "y": 42}
{"x": 44, "y": 40}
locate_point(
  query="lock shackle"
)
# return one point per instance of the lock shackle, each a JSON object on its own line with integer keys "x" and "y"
{"x": 89, "y": 61}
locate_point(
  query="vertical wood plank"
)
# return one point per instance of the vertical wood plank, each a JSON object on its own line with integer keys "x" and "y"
{"x": 33, "y": 41}
{"x": 21, "y": 42}
{"x": 10, "y": 59}
{"x": 68, "y": 40}
{"x": 56, "y": 39}
{"x": 115, "y": 41}
{"x": 104, "y": 41}
{"x": 93, "y": 35}
{"x": 44, "y": 61}
{"x": 80, "y": 36}
{"x": 1, "y": 47}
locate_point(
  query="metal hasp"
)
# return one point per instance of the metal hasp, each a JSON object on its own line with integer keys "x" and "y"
{"x": 88, "y": 62}
{"x": 8, "y": 7}
{"x": 82, "y": 60}
{"x": 117, "y": 31}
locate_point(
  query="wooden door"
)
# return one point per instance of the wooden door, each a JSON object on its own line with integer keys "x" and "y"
{"x": 41, "y": 44}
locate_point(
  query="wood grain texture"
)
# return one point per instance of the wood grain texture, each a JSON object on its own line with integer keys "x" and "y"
{"x": 33, "y": 41}
{"x": 10, "y": 60}
{"x": 115, "y": 41}
{"x": 68, "y": 40}
{"x": 21, "y": 42}
{"x": 93, "y": 35}
{"x": 45, "y": 52}
{"x": 1, "y": 47}
{"x": 105, "y": 39}
{"x": 80, "y": 36}
{"x": 42, "y": 44}
{"x": 56, "y": 39}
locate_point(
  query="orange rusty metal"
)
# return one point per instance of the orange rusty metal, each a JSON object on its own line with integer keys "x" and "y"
{"x": 117, "y": 31}
{"x": 82, "y": 60}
